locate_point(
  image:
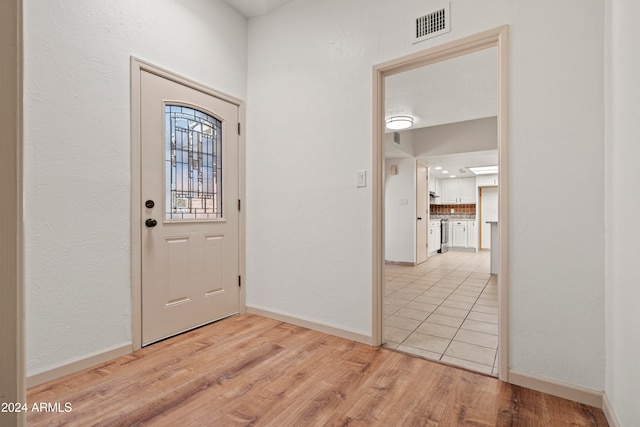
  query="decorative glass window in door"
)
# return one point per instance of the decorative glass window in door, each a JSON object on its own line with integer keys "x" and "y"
{"x": 193, "y": 164}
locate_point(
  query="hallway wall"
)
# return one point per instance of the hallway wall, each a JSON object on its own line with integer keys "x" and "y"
{"x": 310, "y": 130}
{"x": 77, "y": 153}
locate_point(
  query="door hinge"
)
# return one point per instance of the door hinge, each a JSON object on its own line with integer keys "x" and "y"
{"x": 239, "y": 204}
{"x": 239, "y": 281}
{"x": 238, "y": 128}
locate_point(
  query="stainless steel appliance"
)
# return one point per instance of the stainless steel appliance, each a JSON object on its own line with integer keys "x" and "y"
{"x": 444, "y": 236}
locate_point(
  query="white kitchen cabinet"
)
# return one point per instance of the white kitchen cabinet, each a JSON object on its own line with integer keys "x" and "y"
{"x": 434, "y": 237}
{"x": 448, "y": 191}
{"x": 463, "y": 234}
{"x": 459, "y": 230}
{"x": 430, "y": 242}
{"x": 472, "y": 234}
{"x": 467, "y": 188}
{"x": 490, "y": 180}
{"x": 458, "y": 190}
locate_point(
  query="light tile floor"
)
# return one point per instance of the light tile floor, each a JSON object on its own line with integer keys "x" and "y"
{"x": 445, "y": 309}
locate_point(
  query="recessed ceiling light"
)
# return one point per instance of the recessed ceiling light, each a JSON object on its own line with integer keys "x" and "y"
{"x": 445, "y": 171}
{"x": 482, "y": 170}
{"x": 438, "y": 168}
{"x": 399, "y": 122}
{"x": 452, "y": 176}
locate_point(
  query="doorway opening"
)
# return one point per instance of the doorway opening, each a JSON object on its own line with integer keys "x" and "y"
{"x": 493, "y": 39}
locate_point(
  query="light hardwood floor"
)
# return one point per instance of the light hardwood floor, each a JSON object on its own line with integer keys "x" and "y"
{"x": 249, "y": 370}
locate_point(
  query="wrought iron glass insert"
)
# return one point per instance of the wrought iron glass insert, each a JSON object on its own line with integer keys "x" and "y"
{"x": 194, "y": 164}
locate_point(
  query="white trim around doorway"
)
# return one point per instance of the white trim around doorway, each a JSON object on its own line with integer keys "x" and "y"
{"x": 12, "y": 288}
{"x": 420, "y": 163}
{"x": 497, "y": 37}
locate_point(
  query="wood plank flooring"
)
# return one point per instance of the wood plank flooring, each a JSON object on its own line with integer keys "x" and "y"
{"x": 249, "y": 370}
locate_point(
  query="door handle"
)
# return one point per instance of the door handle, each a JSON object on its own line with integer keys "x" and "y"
{"x": 151, "y": 223}
{"x": 419, "y": 218}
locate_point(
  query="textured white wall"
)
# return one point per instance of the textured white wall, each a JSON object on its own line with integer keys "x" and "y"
{"x": 623, "y": 204}
{"x": 77, "y": 153}
{"x": 400, "y": 218}
{"x": 310, "y": 129}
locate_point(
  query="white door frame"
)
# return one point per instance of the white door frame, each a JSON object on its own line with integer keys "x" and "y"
{"x": 137, "y": 66}
{"x": 12, "y": 307}
{"x": 425, "y": 214}
{"x": 497, "y": 37}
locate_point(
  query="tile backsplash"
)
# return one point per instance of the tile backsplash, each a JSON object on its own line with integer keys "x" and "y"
{"x": 459, "y": 210}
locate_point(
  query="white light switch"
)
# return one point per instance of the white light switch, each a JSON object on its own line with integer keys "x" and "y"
{"x": 361, "y": 179}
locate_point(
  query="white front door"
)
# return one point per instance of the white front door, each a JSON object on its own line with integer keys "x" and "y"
{"x": 190, "y": 220}
{"x": 422, "y": 214}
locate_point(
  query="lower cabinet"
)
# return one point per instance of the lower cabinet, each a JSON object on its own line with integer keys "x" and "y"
{"x": 463, "y": 234}
{"x": 458, "y": 234}
{"x": 472, "y": 234}
{"x": 434, "y": 237}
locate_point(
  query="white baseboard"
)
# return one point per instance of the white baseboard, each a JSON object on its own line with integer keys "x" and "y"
{"x": 78, "y": 365}
{"x": 556, "y": 388}
{"x": 609, "y": 413}
{"x": 401, "y": 263}
{"x": 331, "y": 330}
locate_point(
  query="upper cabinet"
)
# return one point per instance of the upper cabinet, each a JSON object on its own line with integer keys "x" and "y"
{"x": 488, "y": 180}
{"x": 467, "y": 190}
{"x": 457, "y": 190}
{"x": 448, "y": 191}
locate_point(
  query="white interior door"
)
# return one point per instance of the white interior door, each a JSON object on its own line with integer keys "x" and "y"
{"x": 422, "y": 217}
{"x": 190, "y": 219}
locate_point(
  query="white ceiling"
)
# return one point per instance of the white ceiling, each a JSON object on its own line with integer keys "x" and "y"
{"x": 458, "y": 164}
{"x": 455, "y": 90}
{"x": 253, "y": 8}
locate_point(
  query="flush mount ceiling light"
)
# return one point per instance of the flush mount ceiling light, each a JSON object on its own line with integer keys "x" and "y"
{"x": 399, "y": 122}
{"x": 483, "y": 170}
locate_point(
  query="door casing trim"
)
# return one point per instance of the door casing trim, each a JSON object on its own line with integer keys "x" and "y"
{"x": 137, "y": 66}
{"x": 12, "y": 290}
{"x": 497, "y": 37}
{"x": 420, "y": 163}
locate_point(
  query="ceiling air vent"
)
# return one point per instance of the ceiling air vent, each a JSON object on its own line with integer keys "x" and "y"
{"x": 433, "y": 24}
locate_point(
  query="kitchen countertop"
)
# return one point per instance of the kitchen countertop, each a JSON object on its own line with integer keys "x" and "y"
{"x": 454, "y": 217}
